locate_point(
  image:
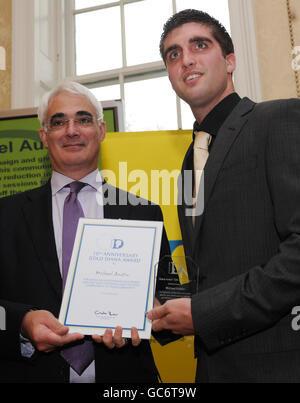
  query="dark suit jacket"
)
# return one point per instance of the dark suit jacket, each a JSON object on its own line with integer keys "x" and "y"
{"x": 30, "y": 278}
{"x": 247, "y": 247}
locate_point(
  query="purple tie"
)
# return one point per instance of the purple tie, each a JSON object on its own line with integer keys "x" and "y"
{"x": 81, "y": 355}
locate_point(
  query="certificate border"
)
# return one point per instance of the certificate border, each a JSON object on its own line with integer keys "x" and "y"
{"x": 68, "y": 296}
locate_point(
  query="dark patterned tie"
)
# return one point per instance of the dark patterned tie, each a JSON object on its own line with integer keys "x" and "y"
{"x": 79, "y": 356}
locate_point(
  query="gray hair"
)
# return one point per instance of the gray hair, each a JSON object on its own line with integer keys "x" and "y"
{"x": 73, "y": 88}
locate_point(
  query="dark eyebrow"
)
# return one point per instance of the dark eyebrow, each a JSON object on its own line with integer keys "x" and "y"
{"x": 170, "y": 49}
{"x": 200, "y": 39}
{"x": 57, "y": 115}
{"x": 192, "y": 40}
{"x": 63, "y": 115}
{"x": 83, "y": 113}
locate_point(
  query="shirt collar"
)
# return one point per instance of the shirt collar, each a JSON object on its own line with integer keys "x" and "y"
{"x": 59, "y": 181}
{"x": 217, "y": 116}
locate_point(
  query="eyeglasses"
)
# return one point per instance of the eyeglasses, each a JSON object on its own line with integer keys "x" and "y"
{"x": 59, "y": 123}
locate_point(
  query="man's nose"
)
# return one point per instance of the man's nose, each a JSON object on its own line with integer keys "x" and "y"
{"x": 72, "y": 128}
{"x": 188, "y": 58}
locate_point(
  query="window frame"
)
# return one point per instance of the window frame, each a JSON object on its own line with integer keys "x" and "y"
{"x": 26, "y": 77}
{"x": 116, "y": 76}
{"x": 247, "y": 77}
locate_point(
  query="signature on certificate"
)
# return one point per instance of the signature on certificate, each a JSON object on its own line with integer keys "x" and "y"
{"x": 103, "y": 313}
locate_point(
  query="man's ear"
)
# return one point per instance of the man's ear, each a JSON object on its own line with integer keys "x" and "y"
{"x": 102, "y": 131}
{"x": 231, "y": 63}
{"x": 43, "y": 137}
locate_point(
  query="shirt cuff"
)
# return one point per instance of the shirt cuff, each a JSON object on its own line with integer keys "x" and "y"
{"x": 27, "y": 349}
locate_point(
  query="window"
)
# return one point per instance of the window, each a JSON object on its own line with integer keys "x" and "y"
{"x": 115, "y": 54}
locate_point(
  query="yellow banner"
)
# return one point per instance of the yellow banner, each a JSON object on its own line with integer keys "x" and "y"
{"x": 148, "y": 164}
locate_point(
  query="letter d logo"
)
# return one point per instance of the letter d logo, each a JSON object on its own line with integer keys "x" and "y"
{"x": 117, "y": 243}
{"x": 172, "y": 268}
{"x": 2, "y": 318}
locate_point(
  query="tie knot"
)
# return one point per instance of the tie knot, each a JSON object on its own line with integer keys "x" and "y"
{"x": 75, "y": 187}
{"x": 202, "y": 140}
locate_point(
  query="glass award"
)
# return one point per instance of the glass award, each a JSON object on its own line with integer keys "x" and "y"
{"x": 177, "y": 277}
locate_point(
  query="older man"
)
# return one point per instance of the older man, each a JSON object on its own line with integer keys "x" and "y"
{"x": 35, "y": 347}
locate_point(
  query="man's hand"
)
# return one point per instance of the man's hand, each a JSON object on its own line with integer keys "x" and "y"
{"x": 45, "y": 332}
{"x": 115, "y": 340}
{"x": 173, "y": 315}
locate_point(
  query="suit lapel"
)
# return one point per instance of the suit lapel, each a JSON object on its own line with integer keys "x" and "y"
{"x": 38, "y": 215}
{"x": 226, "y": 137}
{"x": 115, "y": 202}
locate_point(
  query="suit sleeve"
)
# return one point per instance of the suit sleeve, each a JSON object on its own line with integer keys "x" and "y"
{"x": 165, "y": 336}
{"x": 259, "y": 298}
{"x": 11, "y": 312}
{"x": 12, "y": 315}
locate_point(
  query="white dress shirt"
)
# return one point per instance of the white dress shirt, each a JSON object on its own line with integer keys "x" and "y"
{"x": 91, "y": 200}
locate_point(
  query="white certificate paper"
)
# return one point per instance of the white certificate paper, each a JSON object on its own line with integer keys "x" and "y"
{"x": 112, "y": 276}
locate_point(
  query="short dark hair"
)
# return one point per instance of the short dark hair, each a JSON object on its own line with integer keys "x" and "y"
{"x": 183, "y": 17}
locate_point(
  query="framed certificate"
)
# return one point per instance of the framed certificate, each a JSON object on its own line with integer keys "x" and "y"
{"x": 112, "y": 276}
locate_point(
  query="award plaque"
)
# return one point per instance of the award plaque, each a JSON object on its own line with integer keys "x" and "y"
{"x": 178, "y": 277}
